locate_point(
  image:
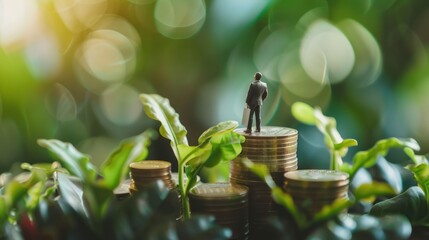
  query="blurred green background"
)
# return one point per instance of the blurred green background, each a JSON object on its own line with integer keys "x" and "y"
{"x": 73, "y": 69}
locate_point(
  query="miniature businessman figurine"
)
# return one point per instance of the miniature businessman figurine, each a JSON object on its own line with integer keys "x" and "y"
{"x": 258, "y": 91}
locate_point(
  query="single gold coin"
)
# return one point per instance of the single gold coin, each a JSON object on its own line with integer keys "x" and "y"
{"x": 317, "y": 175}
{"x": 150, "y": 165}
{"x": 269, "y": 132}
{"x": 218, "y": 191}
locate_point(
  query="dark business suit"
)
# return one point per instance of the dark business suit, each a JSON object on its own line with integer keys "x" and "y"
{"x": 258, "y": 91}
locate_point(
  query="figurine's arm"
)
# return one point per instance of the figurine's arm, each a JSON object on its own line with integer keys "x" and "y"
{"x": 249, "y": 95}
{"x": 265, "y": 94}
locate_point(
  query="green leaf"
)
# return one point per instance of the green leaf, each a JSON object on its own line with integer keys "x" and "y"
{"x": 13, "y": 192}
{"x": 72, "y": 193}
{"x": 222, "y": 127}
{"x": 417, "y": 159}
{"x": 158, "y": 108}
{"x": 421, "y": 174}
{"x": 369, "y": 191}
{"x": 97, "y": 199}
{"x": 285, "y": 200}
{"x": 368, "y": 158}
{"x": 4, "y": 210}
{"x": 411, "y": 203}
{"x": 304, "y": 113}
{"x": 225, "y": 147}
{"x": 346, "y": 167}
{"x": 194, "y": 155}
{"x": 34, "y": 195}
{"x": 260, "y": 170}
{"x": 74, "y": 161}
{"x": 328, "y": 127}
{"x": 332, "y": 210}
{"x": 346, "y": 143}
{"x": 130, "y": 150}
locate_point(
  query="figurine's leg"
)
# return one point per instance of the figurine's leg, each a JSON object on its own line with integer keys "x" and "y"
{"x": 250, "y": 122}
{"x": 258, "y": 118}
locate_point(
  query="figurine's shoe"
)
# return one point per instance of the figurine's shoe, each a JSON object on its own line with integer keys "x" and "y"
{"x": 258, "y": 130}
{"x": 248, "y": 131}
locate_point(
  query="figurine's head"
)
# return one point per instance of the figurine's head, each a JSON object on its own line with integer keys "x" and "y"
{"x": 258, "y": 76}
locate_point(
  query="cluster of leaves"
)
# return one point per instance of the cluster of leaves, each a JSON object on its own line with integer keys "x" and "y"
{"x": 80, "y": 204}
{"x": 217, "y": 144}
{"x": 23, "y": 192}
{"x": 338, "y": 147}
{"x": 147, "y": 214}
{"x": 97, "y": 184}
{"x": 87, "y": 190}
{"x": 414, "y": 202}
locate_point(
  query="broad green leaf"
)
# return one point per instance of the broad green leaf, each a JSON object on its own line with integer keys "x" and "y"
{"x": 411, "y": 203}
{"x": 369, "y": 191}
{"x": 222, "y": 127}
{"x": 194, "y": 155}
{"x": 225, "y": 147}
{"x": 130, "y": 150}
{"x": 72, "y": 194}
{"x": 421, "y": 174}
{"x": 158, "y": 108}
{"x": 332, "y": 210}
{"x": 303, "y": 113}
{"x": 74, "y": 161}
{"x": 368, "y": 158}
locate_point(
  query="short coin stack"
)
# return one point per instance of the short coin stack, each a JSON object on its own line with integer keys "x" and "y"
{"x": 276, "y": 148}
{"x": 146, "y": 172}
{"x": 313, "y": 189}
{"x": 228, "y": 203}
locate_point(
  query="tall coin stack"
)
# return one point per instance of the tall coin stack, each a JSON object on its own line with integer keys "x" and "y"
{"x": 228, "y": 203}
{"x": 276, "y": 148}
{"x": 146, "y": 172}
{"x": 313, "y": 189}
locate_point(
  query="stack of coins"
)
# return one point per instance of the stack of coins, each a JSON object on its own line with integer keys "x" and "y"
{"x": 228, "y": 203}
{"x": 313, "y": 189}
{"x": 146, "y": 172}
{"x": 276, "y": 148}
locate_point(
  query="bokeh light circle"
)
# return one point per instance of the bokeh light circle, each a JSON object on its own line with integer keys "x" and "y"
{"x": 121, "y": 105}
{"x": 269, "y": 48}
{"x": 369, "y": 60}
{"x": 179, "y": 19}
{"x": 18, "y": 19}
{"x": 108, "y": 55}
{"x": 295, "y": 78}
{"x": 104, "y": 60}
{"x": 79, "y": 15}
{"x": 326, "y": 53}
{"x": 60, "y": 103}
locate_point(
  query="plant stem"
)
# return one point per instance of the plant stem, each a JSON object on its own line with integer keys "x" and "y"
{"x": 332, "y": 167}
{"x": 182, "y": 190}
